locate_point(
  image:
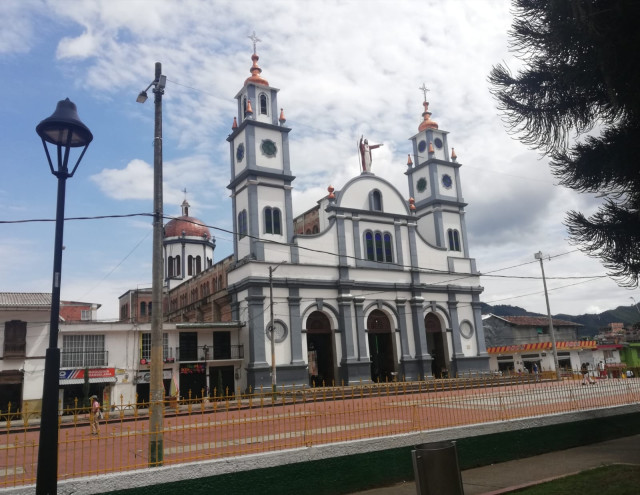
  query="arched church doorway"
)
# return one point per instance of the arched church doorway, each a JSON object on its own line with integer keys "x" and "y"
{"x": 437, "y": 346}
{"x": 381, "y": 350}
{"x": 320, "y": 350}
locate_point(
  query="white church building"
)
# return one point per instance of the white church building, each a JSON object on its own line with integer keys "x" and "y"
{"x": 382, "y": 287}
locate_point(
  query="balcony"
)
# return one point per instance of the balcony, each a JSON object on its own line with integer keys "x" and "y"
{"x": 167, "y": 355}
{"x": 207, "y": 353}
{"x": 83, "y": 359}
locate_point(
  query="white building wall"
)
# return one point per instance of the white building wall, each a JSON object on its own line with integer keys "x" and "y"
{"x": 427, "y": 228}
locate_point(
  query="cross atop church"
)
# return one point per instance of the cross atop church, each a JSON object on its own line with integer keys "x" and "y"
{"x": 255, "y": 40}
{"x": 185, "y": 193}
{"x": 424, "y": 90}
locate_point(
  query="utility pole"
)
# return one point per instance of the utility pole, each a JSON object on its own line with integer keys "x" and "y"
{"x": 156, "y": 387}
{"x": 272, "y": 328}
{"x": 552, "y": 333}
{"x": 273, "y": 334}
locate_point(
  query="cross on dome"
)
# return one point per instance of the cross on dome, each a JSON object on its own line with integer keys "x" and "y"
{"x": 255, "y": 40}
{"x": 255, "y": 68}
{"x": 424, "y": 90}
{"x": 426, "y": 123}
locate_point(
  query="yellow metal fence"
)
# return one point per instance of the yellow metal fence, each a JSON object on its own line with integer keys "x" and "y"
{"x": 261, "y": 421}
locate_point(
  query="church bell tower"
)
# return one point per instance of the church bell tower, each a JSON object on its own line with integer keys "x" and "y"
{"x": 260, "y": 169}
{"x": 434, "y": 184}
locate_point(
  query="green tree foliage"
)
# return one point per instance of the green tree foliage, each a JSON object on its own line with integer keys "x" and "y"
{"x": 577, "y": 100}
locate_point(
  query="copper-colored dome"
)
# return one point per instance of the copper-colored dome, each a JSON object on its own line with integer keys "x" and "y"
{"x": 427, "y": 123}
{"x": 191, "y": 226}
{"x": 255, "y": 72}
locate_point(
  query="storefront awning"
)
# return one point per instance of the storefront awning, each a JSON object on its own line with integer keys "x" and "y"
{"x": 575, "y": 345}
{"x": 76, "y": 376}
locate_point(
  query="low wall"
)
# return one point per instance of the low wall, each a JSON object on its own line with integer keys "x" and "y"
{"x": 353, "y": 466}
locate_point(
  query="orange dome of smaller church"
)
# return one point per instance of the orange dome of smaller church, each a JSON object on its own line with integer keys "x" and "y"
{"x": 190, "y": 226}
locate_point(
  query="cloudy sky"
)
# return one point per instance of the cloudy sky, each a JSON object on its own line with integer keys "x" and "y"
{"x": 344, "y": 68}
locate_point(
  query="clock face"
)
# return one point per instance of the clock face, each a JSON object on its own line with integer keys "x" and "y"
{"x": 268, "y": 147}
{"x": 446, "y": 181}
{"x": 280, "y": 331}
{"x": 438, "y": 142}
{"x": 240, "y": 152}
{"x": 422, "y": 145}
{"x": 422, "y": 184}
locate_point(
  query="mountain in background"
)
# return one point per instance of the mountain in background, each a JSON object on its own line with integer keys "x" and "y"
{"x": 629, "y": 315}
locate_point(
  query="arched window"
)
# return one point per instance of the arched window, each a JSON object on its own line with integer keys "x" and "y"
{"x": 198, "y": 264}
{"x": 242, "y": 223}
{"x": 368, "y": 243}
{"x": 143, "y": 308}
{"x": 375, "y": 200}
{"x": 244, "y": 106}
{"x": 272, "y": 223}
{"x": 454, "y": 240}
{"x": 264, "y": 104}
{"x": 388, "y": 249}
{"x": 190, "y": 265}
{"x": 173, "y": 268}
{"x": 378, "y": 246}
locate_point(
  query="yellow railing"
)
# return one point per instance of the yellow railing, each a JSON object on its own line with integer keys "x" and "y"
{"x": 262, "y": 421}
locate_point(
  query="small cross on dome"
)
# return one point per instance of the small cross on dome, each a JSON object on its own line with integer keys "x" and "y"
{"x": 255, "y": 40}
{"x": 424, "y": 90}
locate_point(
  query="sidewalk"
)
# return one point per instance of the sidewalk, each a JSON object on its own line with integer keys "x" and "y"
{"x": 507, "y": 476}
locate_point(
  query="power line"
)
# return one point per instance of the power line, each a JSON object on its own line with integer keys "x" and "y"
{"x": 320, "y": 251}
{"x": 120, "y": 263}
{"x": 99, "y": 217}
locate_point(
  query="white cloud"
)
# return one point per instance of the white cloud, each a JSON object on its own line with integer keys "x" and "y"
{"x": 135, "y": 181}
{"x": 16, "y": 35}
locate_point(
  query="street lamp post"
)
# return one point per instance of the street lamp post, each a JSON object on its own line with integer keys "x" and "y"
{"x": 156, "y": 387}
{"x": 552, "y": 332}
{"x": 65, "y": 130}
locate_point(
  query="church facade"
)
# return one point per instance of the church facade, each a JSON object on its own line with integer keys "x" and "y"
{"x": 370, "y": 285}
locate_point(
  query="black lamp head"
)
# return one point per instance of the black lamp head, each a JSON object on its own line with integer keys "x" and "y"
{"x": 64, "y": 127}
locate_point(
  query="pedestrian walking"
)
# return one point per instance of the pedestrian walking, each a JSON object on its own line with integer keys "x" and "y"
{"x": 535, "y": 370}
{"x": 96, "y": 415}
{"x": 584, "y": 369}
{"x": 602, "y": 370}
